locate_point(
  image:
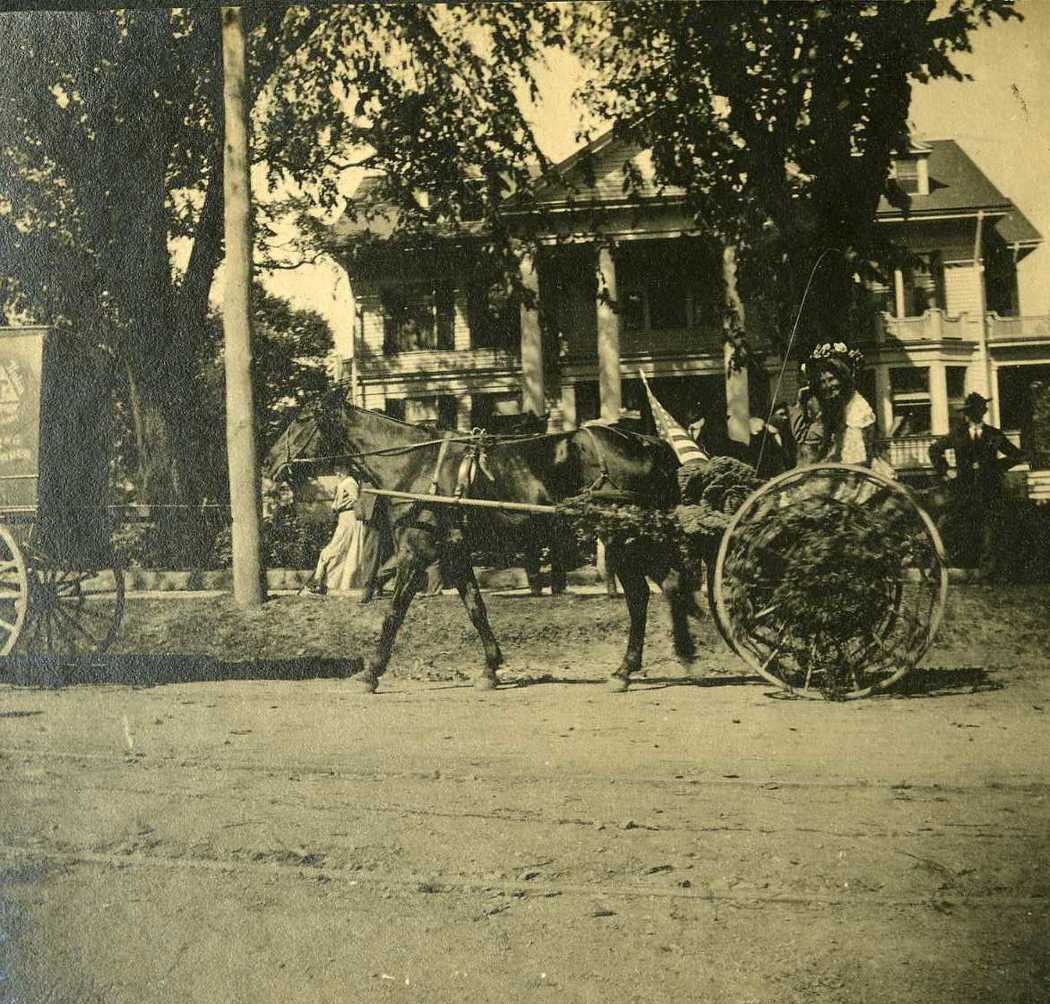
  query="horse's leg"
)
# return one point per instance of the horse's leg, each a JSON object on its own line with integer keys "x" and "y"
{"x": 531, "y": 557}
{"x": 411, "y": 575}
{"x": 559, "y": 580}
{"x": 630, "y": 572}
{"x": 462, "y": 573}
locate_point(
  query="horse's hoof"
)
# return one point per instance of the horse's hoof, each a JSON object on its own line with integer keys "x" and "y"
{"x": 692, "y": 668}
{"x": 617, "y": 684}
{"x": 485, "y": 682}
{"x": 365, "y": 682}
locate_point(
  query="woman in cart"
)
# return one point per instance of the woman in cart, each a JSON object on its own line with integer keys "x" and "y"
{"x": 832, "y": 422}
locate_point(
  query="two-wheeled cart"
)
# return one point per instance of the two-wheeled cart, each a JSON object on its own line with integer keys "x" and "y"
{"x": 61, "y": 591}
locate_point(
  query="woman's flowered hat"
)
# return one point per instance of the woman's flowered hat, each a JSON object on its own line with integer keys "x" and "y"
{"x": 836, "y": 355}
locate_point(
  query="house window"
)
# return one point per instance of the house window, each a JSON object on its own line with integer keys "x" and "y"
{"x": 666, "y": 303}
{"x": 438, "y": 410}
{"x": 911, "y": 175}
{"x": 658, "y": 288}
{"x": 906, "y": 174}
{"x": 418, "y": 316}
{"x": 910, "y": 394}
{"x": 394, "y": 407}
{"x": 494, "y": 317}
{"x": 494, "y": 411}
{"x": 955, "y": 383}
{"x": 588, "y": 401}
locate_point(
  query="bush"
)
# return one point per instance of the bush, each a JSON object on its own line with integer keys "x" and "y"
{"x": 175, "y": 539}
{"x": 291, "y": 541}
{"x": 201, "y": 539}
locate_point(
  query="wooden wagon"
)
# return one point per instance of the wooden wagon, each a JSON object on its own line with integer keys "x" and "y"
{"x": 60, "y": 589}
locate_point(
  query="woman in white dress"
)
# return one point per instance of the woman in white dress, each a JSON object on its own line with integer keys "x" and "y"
{"x": 833, "y": 422}
{"x": 339, "y": 564}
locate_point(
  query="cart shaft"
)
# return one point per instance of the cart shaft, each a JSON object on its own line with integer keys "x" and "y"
{"x": 464, "y": 503}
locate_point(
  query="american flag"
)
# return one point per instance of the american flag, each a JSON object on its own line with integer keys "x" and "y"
{"x": 668, "y": 429}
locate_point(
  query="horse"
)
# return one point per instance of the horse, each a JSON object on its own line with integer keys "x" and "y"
{"x": 557, "y": 559}
{"x": 536, "y": 469}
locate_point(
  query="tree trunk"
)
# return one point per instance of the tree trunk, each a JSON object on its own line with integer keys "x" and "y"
{"x": 164, "y": 447}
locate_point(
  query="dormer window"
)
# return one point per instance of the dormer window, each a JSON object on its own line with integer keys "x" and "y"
{"x": 912, "y": 175}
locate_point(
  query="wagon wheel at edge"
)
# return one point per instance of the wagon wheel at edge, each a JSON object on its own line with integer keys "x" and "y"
{"x": 14, "y": 590}
{"x": 71, "y": 611}
{"x": 909, "y": 605}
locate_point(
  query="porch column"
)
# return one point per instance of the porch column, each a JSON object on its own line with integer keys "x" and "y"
{"x": 884, "y": 402}
{"x": 608, "y": 338}
{"x": 898, "y": 293}
{"x": 994, "y": 415}
{"x": 531, "y": 342}
{"x": 938, "y": 399}
{"x": 568, "y": 406}
{"x": 738, "y": 404}
{"x": 464, "y": 405}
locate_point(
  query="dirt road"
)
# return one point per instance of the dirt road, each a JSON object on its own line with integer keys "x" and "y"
{"x": 293, "y": 840}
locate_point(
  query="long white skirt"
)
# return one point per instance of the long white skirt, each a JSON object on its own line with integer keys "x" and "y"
{"x": 339, "y": 564}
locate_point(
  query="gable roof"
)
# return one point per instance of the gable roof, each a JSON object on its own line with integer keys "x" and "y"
{"x": 595, "y": 175}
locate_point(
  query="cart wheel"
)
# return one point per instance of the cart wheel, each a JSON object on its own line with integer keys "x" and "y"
{"x": 817, "y": 618}
{"x": 14, "y": 591}
{"x": 71, "y": 611}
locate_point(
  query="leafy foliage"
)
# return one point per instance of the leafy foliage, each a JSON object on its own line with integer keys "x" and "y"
{"x": 290, "y": 350}
{"x": 620, "y": 522}
{"x": 111, "y": 134}
{"x": 780, "y": 121}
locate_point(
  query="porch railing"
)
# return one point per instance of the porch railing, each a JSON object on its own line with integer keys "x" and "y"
{"x": 908, "y": 452}
{"x": 913, "y": 452}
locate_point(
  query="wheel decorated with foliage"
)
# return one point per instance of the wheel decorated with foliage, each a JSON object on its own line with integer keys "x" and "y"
{"x": 71, "y": 611}
{"x": 830, "y": 582}
{"x": 14, "y": 590}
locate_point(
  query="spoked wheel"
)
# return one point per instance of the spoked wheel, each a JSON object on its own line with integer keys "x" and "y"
{"x": 14, "y": 590}
{"x": 830, "y": 582}
{"x": 71, "y": 611}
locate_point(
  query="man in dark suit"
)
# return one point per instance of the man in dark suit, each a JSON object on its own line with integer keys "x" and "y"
{"x": 977, "y": 491}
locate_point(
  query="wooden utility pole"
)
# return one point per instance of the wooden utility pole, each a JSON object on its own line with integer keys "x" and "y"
{"x": 248, "y": 580}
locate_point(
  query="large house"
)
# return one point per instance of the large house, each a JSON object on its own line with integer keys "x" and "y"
{"x": 626, "y": 285}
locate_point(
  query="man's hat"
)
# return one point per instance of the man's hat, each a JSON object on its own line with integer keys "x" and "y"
{"x": 975, "y": 402}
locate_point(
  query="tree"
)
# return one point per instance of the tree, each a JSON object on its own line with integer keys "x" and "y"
{"x": 780, "y": 121}
{"x": 291, "y": 352}
{"x": 110, "y": 132}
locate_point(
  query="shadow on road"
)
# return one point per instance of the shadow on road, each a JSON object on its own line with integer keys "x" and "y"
{"x": 937, "y": 682}
{"x": 642, "y": 682}
{"x": 156, "y": 670}
{"x": 934, "y": 682}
